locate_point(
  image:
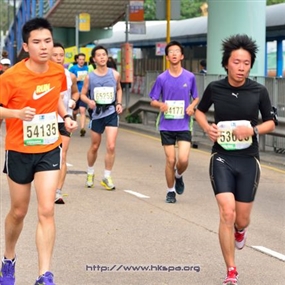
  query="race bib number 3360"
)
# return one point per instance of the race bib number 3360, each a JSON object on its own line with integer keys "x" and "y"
{"x": 42, "y": 130}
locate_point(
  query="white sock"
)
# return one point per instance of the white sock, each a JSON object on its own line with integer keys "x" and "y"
{"x": 90, "y": 170}
{"x": 172, "y": 189}
{"x": 177, "y": 175}
{"x": 107, "y": 173}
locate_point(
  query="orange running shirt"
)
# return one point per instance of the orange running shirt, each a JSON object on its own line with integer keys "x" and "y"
{"x": 19, "y": 88}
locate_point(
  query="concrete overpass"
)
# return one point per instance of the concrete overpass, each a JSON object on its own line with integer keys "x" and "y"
{"x": 62, "y": 14}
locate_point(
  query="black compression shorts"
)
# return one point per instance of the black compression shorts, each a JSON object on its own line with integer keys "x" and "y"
{"x": 235, "y": 174}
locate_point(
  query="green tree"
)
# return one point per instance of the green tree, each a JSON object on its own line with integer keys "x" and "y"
{"x": 273, "y": 2}
{"x": 189, "y": 8}
{"x": 149, "y": 10}
{"x": 6, "y": 15}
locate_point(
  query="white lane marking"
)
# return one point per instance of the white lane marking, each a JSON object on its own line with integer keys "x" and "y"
{"x": 270, "y": 252}
{"x": 136, "y": 194}
{"x": 68, "y": 164}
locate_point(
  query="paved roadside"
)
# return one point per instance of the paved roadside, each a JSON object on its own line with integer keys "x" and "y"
{"x": 128, "y": 236}
{"x": 200, "y": 140}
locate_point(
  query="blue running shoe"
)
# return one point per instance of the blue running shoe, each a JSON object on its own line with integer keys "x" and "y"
{"x": 7, "y": 274}
{"x": 179, "y": 185}
{"x": 45, "y": 279}
{"x": 170, "y": 197}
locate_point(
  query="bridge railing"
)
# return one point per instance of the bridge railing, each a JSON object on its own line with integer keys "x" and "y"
{"x": 276, "y": 90}
{"x": 27, "y": 10}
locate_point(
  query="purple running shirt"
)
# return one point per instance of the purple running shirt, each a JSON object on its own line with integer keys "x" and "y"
{"x": 177, "y": 91}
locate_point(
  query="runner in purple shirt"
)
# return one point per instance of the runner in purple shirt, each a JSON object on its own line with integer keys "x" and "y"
{"x": 175, "y": 94}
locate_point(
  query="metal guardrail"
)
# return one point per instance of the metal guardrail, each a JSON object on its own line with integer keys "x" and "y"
{"x": 275, "y": 87}
{"x": 278, "y": 133}
{"x": 26, "y": 11}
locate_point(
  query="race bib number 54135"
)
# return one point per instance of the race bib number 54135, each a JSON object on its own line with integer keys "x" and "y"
{"x": 42, "y": 130}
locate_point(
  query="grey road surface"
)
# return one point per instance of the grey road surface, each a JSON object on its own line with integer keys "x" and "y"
{"x": 130, "y": 236}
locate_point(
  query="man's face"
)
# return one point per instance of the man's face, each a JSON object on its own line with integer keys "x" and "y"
{"x": 174, "y": 55}
{"x": 101, "y": 57}
{"x": 39, "y": 46}
{"x": 81, "y": 60}
{"x": 5, "y": 67}
{"x": 239, "y": 65}
{"x": 58, "y": 55}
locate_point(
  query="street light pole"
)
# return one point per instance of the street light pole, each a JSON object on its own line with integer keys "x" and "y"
{"x": 15, "y": 36}
{"x": 77, "y": 33}
{"x": 127, "y": 90}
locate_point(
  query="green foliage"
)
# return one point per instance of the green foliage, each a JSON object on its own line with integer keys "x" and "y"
{"x": 6, "y": 15}
{"x": 273, "y": 2}
{"x": 189, "y": 8}
{"x": 149, "y": 10}
{"x": 131, "y": 119}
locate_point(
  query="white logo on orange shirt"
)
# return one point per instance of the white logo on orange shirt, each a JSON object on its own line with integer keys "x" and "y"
{"x": 41, "y": 91}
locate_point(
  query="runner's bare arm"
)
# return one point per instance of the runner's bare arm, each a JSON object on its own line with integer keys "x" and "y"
{"x": 211, "y": 130}
{"x": 69, "y": 123}
{"x": 25, "y": 114}
{"x": 74, "y": 89}
{"x": 160, "y": 105}
{"x": 191, "y": 108}
{"x": 119, "y": 99}
{"x": 84, "y": 92}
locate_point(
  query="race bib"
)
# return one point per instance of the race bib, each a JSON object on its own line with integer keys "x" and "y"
{"x": 81, "y": 75}
{"x": 228, "y": 140}
{"x": 42, "y": 130}
{"x": 176, "y": 109}
{"x": 104, "y": 95}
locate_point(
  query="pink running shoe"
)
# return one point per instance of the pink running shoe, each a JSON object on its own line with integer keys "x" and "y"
{"x": 240, "y": 238}
{"x": 232, "y": 277}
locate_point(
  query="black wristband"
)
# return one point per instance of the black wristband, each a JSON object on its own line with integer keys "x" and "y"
{"x": 73, "y": 100}
{"x": 67, "y": 116}
{"x": 119, "y": 104}
{"x": 255, "y": 131}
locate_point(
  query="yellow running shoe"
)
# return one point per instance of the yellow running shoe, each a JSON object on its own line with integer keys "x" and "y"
{"x": 90, "y": 180}
{"x": 108, "y": 183}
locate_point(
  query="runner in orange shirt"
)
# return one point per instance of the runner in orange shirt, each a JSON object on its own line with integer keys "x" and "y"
{"x": 30, "y": 102}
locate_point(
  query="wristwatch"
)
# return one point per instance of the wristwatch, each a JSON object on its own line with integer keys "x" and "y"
{"x": 67, "y": 116}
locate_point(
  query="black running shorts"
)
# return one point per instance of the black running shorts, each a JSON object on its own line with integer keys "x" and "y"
{"x": 21, "y": 167}
{"x": 170, "y": 138}
{"x": 62, "y": 130}
{"x": 98, "y": 125}
{"x": 236, "y": 174}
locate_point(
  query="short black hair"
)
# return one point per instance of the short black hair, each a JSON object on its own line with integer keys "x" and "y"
{"x": 97, "y": 48}
{"x": 236, "y": 42}
{"x": 81, "y": 54}
{"x": 203, "y": 63}
{"x": 35, "y": 24}
{"x": 174, "y": 43}
{"x": 58, "y": 45}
